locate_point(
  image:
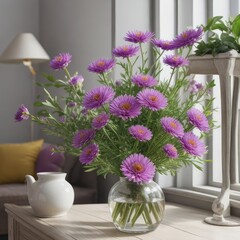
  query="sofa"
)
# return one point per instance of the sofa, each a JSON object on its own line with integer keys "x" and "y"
{"x": 85, "y": 184}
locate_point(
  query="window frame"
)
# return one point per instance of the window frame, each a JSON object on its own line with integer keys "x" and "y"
{"x": 189, "y": 183}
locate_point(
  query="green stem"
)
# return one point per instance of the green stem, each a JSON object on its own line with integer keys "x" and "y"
{"x": 147, "y": 215}
{"x": 117, "y": 209}
{"x": 67, "y": 72}
{"x": 142, "y": 56}
{"x": 156, "y": 60}
{"x": 153, "y": 209}
{"x": 138, "y": 213}
{"x": 168, "y": 84}
{"x": 125, "y": 212}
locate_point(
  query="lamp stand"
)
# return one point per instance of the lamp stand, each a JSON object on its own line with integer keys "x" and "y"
{"x": 33, "y": 95}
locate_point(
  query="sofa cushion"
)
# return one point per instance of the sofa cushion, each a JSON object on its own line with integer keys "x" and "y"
{"x": 49, "y": 161}
{"x": 84, "y": 195}
{"x": 18, "y": 160}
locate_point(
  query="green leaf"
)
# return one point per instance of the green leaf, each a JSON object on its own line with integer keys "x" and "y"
{"x": 48, "y": 104}
{"x": 38, "y": 104}
{"x": 236, "y": 26}
{"x": 219, "y": 26}
{"x": 211, "y": 22}
{"x": 50, "y": 78}
{"x": 43, "y": 113}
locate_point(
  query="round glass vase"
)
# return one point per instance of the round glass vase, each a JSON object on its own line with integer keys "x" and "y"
{"x": 136, "y": 208}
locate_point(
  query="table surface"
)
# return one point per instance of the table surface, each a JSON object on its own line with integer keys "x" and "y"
{"x": 92, "y": 221}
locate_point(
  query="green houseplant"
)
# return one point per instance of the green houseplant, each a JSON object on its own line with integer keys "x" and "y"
{"x": 222, "y": 36}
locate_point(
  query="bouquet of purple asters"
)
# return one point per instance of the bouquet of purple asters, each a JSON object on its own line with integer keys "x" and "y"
{"x": 138, "y": 124}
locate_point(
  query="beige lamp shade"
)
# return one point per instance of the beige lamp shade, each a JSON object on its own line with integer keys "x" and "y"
{"x": 24, "y": 47}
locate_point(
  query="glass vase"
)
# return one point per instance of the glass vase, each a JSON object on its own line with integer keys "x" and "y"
{"x": 136, "y": 208}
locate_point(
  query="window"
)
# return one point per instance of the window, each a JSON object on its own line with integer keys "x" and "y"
{"x": 172, "y": 17}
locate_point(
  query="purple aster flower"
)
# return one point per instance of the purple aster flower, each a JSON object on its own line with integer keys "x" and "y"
{"x": 170, "y": 150}
{"x": 89, "y": 153}
{"x": 125, "y": 51}
{"x": 76, "y": 80}
{"x": 22, "y": 113}
{"x": 192, "y": 144}
{"x": 62, "y": 119}
{"x": 152, "y": 99}
{"x": 138, "y": 168}
{"x": 172, "y": 126}
{"x": 71, "y": 104}
{"x": 138, "y": 36}
{"x": 125, "y": 107}
{"x": 195, "y": 86}
{"x": 84, "y": 111}
{"x": 193, "y": 89}
{"x": 60, "y": 61}
{"x": 141, "y": 133}
{"x": 199, "y": 86}
{"x": 118, "y": 82}
{"x": 144, "y": 80}
{"x": 101, "y": 65}
{"x": 98, "y": 97}
{"x": 100, "y": 121}
{"x": 198, "y": 119}
{"x": 188, "y": 37}
{"x": 83, "y": 136}
{"x": 175, "y": 61}
{"x": 164, "y": 44}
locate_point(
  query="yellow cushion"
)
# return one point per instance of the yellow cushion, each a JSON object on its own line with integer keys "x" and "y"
{"x": 18, "y": 160}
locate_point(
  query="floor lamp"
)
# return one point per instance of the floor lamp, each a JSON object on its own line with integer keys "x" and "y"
{"x": 25, "y": 49}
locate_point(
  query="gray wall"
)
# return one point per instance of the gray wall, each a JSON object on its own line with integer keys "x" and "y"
{"x": 88, "y": 29}
{"x": 16, "y": 16}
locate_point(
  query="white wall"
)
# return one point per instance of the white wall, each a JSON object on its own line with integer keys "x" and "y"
{"x": 16, "y": 16}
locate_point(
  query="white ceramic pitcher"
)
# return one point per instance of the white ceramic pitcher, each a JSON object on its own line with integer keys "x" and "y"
{"x": 51, "y": 195}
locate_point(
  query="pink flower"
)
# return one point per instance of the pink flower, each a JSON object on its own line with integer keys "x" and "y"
{"x": 22, "y": 113}
{"x": 175, "y": 61}
{"x": 172, "y": 126}
{"x": 170, "y": 150}
{"x": 60, "y": 61}
{"x": 83, "y": 136}
{"x": 138, "y": 36}
{"x": 198, "y": 119}
{"x": 125, "y": 51}
{"x": 138, "y": 168}
{"x": 100, "y": 121}
{"x": 98, "y": 97}
{"x": 144, "y": 80}
{"x": 164, "y": 44}
{"x": 192, "y": 144}
{"x": 89, "y": 153}
{"x": 125, "y": 107}
{"x": 188, "y": 37}
{"x": 101, "y": 65}
{"x": 140, "y": 132}
{"x": 152, "y": 99}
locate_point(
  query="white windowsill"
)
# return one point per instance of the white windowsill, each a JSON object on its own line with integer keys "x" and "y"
{"x": 201, "y": 197}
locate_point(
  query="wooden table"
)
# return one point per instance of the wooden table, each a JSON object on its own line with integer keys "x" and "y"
{"x": 93, "y": 222}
